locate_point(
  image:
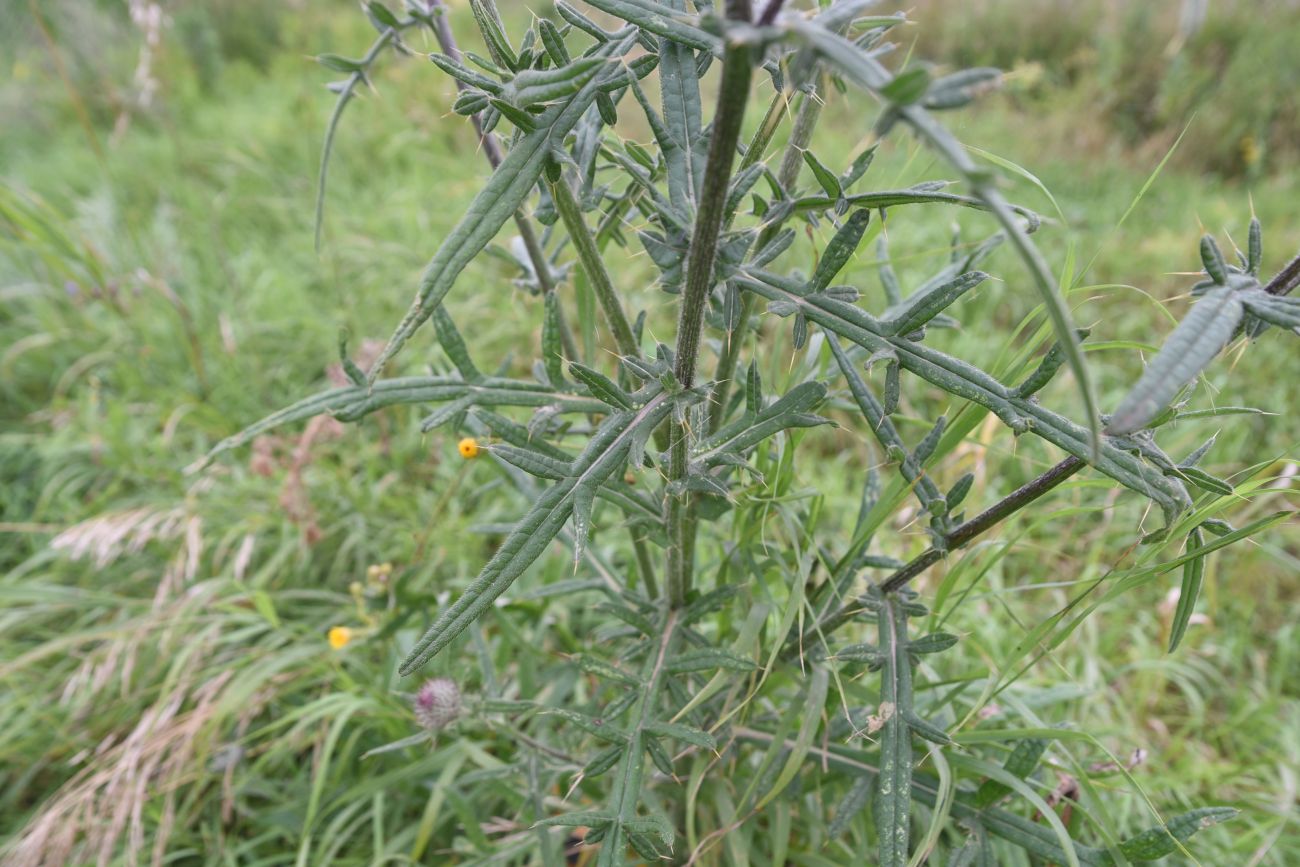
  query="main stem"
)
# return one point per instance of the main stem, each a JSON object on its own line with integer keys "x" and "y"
{"x": 733, "y": 93}
{"x": 805, "y": 122}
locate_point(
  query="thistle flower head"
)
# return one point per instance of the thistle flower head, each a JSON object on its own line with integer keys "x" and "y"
{"x": 437, "y": 703}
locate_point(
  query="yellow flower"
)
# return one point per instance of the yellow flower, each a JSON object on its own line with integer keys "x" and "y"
{"x": 468, "y": 448}
{"x": 339, "y": 637}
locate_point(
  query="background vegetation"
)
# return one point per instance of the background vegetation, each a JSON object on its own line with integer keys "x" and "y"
{"x": 166, "y": 672}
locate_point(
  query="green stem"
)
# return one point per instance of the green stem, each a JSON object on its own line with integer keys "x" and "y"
{"x": 632, "y": 768}
{"x": 805, "y": 122}
{"x": 733, "y": 93}
{"x": 645, "y": 565}
{"x": 566, "y": 205}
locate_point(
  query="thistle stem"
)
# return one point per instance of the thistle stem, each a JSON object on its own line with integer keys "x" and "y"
{"x": 566, "y": 205}
{"x": 733, "y": 93}
{"x": 805, "y": 122}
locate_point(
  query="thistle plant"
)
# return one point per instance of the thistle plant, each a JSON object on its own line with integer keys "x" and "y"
{"x": 732, "y": 640}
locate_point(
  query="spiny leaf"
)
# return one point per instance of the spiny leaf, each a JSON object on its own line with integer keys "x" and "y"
{"x": 840, "y": 250}
{"x": 604, "y": 456}
{"x": 1193, "y": 573}
{"x": 601, "y": 386}
{"x": 1187, "y": 351}
{"x": 1159, "y": 842}
{"x": 1021, "y": 763}
{"x": 682, "y": 733}
{"x": 961, "y": 88}
{"x": 919, "y": 309}
{"x": 893, "y": 800}
{"x": 1212, "y": 259}
{"x": 707, "y": 660}
{"x": 826, "y": 179}
{"x": 497, "y": 202}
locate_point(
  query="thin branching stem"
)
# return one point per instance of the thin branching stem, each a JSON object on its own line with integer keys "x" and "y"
{"x": 733, "y": 94}
{"x": 584, "y": 244}
{"x": 956, "y": 538}
{"x": 492, "y": 151}
{"x": 1286, "y": 280}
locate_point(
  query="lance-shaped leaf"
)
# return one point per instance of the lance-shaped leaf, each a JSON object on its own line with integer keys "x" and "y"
{"x": 454, "y": 345}
{"x": 577, "y": 819}
{"x": 553, "y": 41}
{"x": 882, "y": 427}
{"x": 1034, "y": 837}
{"x": 854, "y": 801}
{"x": 1193, "y": 573}
{"x": 685, "y": 734}
{"x": 661, "y": 20}
{"x": 1212, "y": 259}
{"x": 494, "y": 33}
{"x": 893, "y": 801}
{"x": 961, "y": 88}
{"x": 839, "y": 250}
{"x": 754, "y": 427}
{"x": 707, "y": 659}
{"x": 685, "y": 151}
{"x": 535, "y": 86}
{"x": 894, "y": 198}
{"x": 1279, "y": 310}
{"x": 463, "y": 73}
{"x": 582, "y": 22}
{"x": 920, "y": 308}
{"x": 499, "y": 199}
{"x": 966, "y": 381}
{"x": 600, "y": 386}
{"x": 604, "y": 456}
{"x": 1164, "y": 840}
{"x": 1020, "y": 763}
{"x": 1046, "y": 369}
{"x": 826, "y": 178}
{"x": 1187, "y": 351}
{"x": 1255, "y": 247}
{"x": 351, "y": 403}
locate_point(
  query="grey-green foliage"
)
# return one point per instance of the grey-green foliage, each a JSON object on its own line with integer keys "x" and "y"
{"x": 604, "y": 433}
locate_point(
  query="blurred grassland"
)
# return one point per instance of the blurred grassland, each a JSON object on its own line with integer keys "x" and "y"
{"x": 159, "y": 290}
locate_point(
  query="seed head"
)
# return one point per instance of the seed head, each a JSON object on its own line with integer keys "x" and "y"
{"x": 437, "y": 703}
